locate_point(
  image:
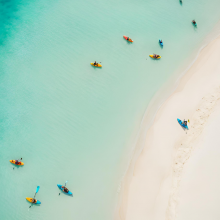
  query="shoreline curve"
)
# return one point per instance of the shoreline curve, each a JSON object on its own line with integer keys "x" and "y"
{"x": 183, "y": 80}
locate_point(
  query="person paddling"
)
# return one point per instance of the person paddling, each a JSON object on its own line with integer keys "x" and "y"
{"x": 184, "y": 122}
{"x": 193, "y": 21}
{"x": 65, "y": 189}
{"x": 95, "y": 63}
{"x": 33, "y": 200}
{"x": 17, "y": 162}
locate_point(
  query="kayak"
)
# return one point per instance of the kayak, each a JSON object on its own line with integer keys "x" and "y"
{"x": 19, "y": 164}
{"x": 126, "y": 38}
{"x": 152, "y": 56}
{"x": 60, "y": 187}
{"x": 182, "y": 124}
{"x": 30, "y": 200}
{"x": 194, "y": 24}
{"x": 97, "y": 65}
{"x": 161, "y": 43}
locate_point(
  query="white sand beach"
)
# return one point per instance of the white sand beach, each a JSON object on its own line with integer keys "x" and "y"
{"x": 176, "y": 175}
{"x": 199, "y": 193}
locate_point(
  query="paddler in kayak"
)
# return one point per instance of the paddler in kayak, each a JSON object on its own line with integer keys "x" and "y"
{"x": 17, "y": 162}
{"x": 193, "y": 21}
{"x": 65, "y": 189}
{"x": 95, "y": 64}
{"x": 33, "y": 200}
{"x": 156, "y": 56}
{"x": 185, "y": 123}
{"x": 129, "y": 39}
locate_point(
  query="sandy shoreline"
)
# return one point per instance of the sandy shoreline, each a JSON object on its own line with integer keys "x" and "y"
{"x": 153, "y": 190}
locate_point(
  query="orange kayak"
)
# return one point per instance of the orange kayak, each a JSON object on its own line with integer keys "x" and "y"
{"x": 19, "y": 164}
{"x": 126, "y": 38}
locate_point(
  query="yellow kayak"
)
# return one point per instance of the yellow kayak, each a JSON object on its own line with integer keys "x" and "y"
{"x": 19, "y": 163}
{"x": 31, "y": 201}
{"x": 152, "y": 56}
{"x": 97, "y": 65}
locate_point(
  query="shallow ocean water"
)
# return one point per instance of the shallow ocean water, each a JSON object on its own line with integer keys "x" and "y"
{"x": 70, "y": 121}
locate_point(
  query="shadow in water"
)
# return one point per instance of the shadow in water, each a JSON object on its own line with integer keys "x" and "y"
{"x": 16, "y": 166}
{"x": 65, "y": 193}
{"x": 32, "y": 204}
{"x": 161, "y": 46}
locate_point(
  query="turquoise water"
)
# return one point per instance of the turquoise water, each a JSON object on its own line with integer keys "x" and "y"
{"x": 70, "y": 121}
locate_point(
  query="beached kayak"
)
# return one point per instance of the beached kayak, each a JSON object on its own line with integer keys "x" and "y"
{"x": 19, "y": 164}
{"x": 97, "y": 65}
{"x": 182, "y": 124}
{"x": 160, "y": 41}
{"x": 152, "y": 56}
{"x": 126, "y": 38}
{"x": 60, "y": 187}
{"x": 30, "y": 200}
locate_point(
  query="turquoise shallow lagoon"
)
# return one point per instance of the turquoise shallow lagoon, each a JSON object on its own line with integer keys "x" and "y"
{"x": 70, "y": 121}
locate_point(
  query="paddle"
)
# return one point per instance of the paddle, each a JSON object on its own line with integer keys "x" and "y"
{"x": 38, "y": 187}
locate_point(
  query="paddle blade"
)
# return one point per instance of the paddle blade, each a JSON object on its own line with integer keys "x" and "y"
{"x": 38, "y": 187}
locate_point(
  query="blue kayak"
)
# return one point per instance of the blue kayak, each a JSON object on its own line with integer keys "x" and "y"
{"x": 161, "y": 43}
{"x": 194, "y": 24}
{"x": 38, "y": 202}
{"x": 60, "y": 187}
{"x": 182, "y": 124}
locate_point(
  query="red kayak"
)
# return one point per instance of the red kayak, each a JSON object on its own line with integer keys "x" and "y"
{"x": 127, "y": 38}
